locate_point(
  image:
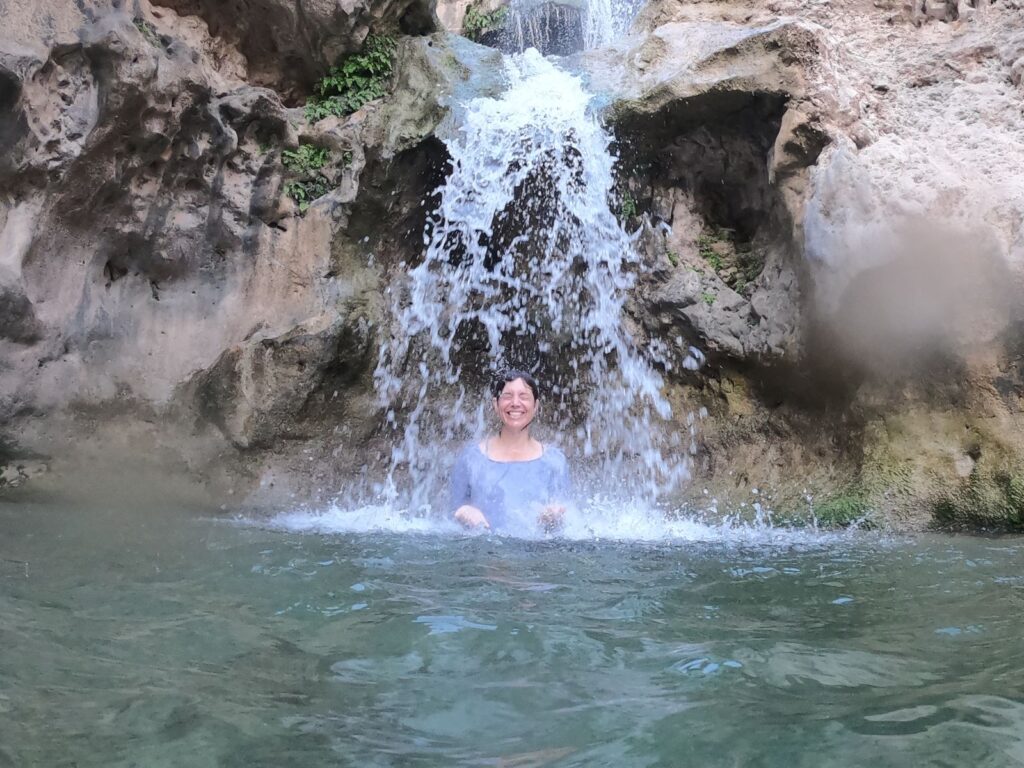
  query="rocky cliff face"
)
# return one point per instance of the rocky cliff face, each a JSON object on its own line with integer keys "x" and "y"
{"x": 164, "y": 299}
{"x": 837, "y": 221}
{"x": 829, "y": 201}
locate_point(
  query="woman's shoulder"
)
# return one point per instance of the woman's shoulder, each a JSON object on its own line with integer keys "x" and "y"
{"x": 554, "y": 455}
{"x": 469, "y": 452}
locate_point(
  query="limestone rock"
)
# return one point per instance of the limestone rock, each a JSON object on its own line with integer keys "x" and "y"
{"x": 262, "y": 391}
{"x": 147, "y": 243}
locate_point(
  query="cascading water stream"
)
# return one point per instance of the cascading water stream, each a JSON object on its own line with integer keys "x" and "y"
{"x": 525, "y": 265}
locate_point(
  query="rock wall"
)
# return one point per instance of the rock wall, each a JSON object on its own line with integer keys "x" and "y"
{"x": 163, "y": 299}
{"x": 834, "y": 214}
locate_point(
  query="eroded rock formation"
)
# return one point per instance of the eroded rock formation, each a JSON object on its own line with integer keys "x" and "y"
{"x": 843, "y": 241}
{"x": 157, "y": 279}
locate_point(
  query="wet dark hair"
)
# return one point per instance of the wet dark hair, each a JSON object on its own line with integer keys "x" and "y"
{"x": 511, "y": 374}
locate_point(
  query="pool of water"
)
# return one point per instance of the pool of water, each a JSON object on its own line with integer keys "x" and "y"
{"x": 164, "y": 638}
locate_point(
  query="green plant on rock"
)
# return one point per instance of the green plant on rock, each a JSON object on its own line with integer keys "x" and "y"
{"x": 849, "y": 507}
{"x": 736, "y": 262}
{"x": 148, "y": 31}
{"x": 305, "y": 159}
{"x": 627, "y": 206}
{"x": 706, "y": 247}
{"x": 358, "y": 79}
{"x": 306, "y": 162}
{"x": 709, "y": 298}
{"x": 476, "y": 23}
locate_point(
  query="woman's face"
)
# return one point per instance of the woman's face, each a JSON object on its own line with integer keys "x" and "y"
{"x": 516, "y": 405}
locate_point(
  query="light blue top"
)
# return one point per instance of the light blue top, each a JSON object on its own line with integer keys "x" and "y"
{"x": 510, "y": 493}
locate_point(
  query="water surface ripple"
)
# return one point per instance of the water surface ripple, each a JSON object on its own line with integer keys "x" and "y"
{"x": 166, "y": 639}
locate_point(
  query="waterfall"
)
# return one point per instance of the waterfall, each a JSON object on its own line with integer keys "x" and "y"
{"x": 525, "y": 264}
{"x": 565, "y": 27}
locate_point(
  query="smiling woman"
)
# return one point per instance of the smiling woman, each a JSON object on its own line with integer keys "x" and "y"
{"x": 511, "y": 481}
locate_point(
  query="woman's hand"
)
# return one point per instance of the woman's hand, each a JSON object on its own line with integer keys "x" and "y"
{"x": 471, "y": 517}
{"x": 551, "y": 517}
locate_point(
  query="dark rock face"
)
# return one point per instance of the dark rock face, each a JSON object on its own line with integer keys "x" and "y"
{"x": 265, "y": 391}
{"x": 551, "y": 28}
{"x": 289, "y": 45}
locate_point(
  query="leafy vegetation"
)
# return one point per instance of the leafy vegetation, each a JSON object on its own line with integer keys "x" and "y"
{"x": 709, "y": 298}
{"x": 705, "y": 246}
{"x": 627, "y": 205}
{"x": 306, "y": 162}
{"x": 358, "y": 79}
{"x": 673, "y": 258}
{"x": 305, "y": 192}
{"x": 476, "y": 23}
{"x": 305, "y": 159}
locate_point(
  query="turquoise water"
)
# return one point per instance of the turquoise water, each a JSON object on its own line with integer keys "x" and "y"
{"x": 156, "y": 638}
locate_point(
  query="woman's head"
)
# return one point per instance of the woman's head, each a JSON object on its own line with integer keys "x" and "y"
{"x": 515, "y": 398}
{"x": 509, "y": 375}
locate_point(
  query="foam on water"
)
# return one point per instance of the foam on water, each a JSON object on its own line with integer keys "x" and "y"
{"x": 597, "y": 521}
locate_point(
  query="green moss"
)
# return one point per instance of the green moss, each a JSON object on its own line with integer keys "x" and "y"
{"x": 988, "y": 499}
{"x": 843, "y": 509}
{"x": 705, "y": 246}
{"x": 627, "y": 206}
{"x": 148, "y": 31}
{"x": 740, "y": 263}
{"x": 709, "y": 298}
{"x": 358, "y": 79}
{"x": 450, "y": 61}
{"x": 673, "y": 258}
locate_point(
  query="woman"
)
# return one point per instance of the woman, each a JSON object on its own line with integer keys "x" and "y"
{"x": 511, "y": 480}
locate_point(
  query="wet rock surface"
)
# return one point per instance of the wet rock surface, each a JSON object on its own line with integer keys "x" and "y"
{"x": 289, "y": 45}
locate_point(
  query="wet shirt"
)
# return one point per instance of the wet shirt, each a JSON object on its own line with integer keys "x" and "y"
{"x": 509, "y": 493}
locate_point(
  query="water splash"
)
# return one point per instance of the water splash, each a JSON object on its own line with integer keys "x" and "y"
{"x": 598, "y": 520}
{"x": 525, "y": 264}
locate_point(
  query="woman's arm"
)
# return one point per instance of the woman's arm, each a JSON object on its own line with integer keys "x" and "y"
{"x": 461, "y": 494}
{"x": 560, "y": 490}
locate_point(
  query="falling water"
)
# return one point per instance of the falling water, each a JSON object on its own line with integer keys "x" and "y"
{"x": 526, "y": 265}
{"x": 559, "y": 27}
